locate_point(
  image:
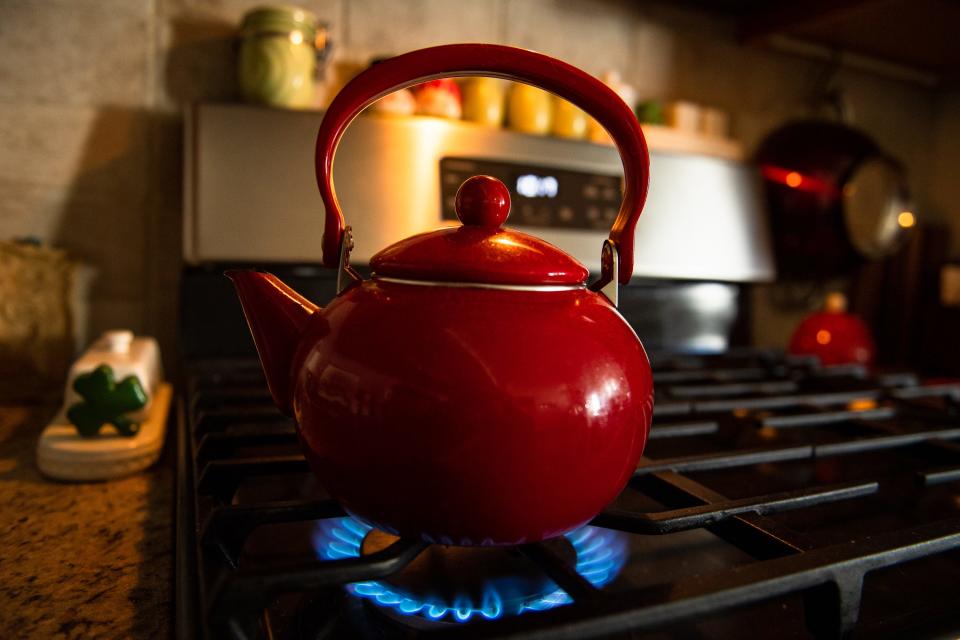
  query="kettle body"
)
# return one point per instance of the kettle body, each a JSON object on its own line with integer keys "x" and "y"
{"x": 471, "y": 416}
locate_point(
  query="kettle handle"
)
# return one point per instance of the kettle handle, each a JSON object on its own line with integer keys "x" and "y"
{"x": 547, "y": 73}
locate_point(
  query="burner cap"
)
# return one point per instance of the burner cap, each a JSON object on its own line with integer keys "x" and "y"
{"x": 464, "y": 581}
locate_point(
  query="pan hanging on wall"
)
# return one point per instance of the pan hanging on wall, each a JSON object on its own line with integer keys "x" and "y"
{"x": 835, "y": 199}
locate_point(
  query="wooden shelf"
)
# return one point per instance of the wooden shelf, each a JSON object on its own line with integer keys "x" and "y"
{"x": 660, "y": 138}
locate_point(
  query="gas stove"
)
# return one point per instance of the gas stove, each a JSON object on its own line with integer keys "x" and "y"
{"x": 776, "y": 497}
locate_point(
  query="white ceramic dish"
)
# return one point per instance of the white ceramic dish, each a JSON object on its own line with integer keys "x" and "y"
{"x": 65, "y": 455}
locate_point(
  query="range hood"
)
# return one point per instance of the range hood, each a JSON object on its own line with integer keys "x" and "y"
{"x": 251, "y": 195}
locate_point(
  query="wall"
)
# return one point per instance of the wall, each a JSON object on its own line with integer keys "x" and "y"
{"x": 943, "y": 198}
{"x": 91, "y": 93}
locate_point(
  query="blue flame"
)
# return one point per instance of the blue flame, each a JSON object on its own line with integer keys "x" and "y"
{"x": 601, "y": 554}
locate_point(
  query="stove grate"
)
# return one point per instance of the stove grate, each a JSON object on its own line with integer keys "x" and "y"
{"x": 776, "y": 457}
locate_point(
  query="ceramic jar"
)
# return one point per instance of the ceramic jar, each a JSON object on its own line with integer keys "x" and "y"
{"x": 529, "y": 110}
{"x": 278, "y": 56}
{"x": 440, "y": 98}
{"x": 483, "y": 101}
{"x": 568, "y": 120}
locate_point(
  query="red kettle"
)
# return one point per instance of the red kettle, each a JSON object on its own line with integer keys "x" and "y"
{"x": 475, "y": 390}
{"x": 834, "y": 336}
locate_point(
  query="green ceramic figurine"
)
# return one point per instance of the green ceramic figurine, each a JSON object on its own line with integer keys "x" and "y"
{"x": 106, "y": 402}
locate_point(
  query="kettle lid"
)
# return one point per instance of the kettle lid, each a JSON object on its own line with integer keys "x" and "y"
{"x": 480, "y": 251}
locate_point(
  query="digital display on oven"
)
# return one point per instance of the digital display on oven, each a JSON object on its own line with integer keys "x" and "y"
{"x": 531, "y": 185}
{"x": 540, "y": 196}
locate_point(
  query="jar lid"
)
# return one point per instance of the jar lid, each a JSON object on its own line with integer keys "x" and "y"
{"x": 480, "y": 251}
{"x": 282, "y": 20}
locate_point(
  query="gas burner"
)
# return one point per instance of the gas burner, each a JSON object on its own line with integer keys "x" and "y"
{"x": 448, "y": 584}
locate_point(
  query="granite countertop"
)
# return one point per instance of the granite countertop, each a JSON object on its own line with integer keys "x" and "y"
{"x": 81, "y": 560}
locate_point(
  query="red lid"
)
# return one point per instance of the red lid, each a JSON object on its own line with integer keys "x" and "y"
{"x": 480, "y": 251}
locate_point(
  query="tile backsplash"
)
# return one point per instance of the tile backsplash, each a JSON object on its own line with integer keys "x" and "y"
{"x": 91, "y": 94}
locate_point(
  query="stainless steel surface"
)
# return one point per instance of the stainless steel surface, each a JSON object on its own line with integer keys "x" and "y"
{"x": 347, "y": 276}
{"x": 694, "y": 317}
{"x": 484, "y": 285}
{"x": 250, "y": 192}
{"x": 874, "y": 199}
{"x": 609, "y": 283}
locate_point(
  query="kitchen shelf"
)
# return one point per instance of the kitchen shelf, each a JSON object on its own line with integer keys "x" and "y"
{"x": 670, "y": 140}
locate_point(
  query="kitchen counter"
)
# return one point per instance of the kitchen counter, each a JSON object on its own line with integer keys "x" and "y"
{"x": 81, "y": 560}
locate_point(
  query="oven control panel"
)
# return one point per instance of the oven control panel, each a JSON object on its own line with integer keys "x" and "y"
{"x": 540, "y": 196}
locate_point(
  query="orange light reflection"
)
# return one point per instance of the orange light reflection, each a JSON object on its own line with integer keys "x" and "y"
{"x": 863, "y": 404}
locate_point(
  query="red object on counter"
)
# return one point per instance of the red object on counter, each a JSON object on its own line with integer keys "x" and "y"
{"x": 475, "y": 391}
{"x": 834, "y": 336}
{"x": 443, "y": 84}
{"x": 439, "y": 98}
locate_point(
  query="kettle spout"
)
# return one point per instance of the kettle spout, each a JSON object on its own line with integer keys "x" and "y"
{"x": 277, "y": 316}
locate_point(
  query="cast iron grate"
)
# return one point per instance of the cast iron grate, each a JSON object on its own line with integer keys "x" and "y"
{"x": 819, "y": 478}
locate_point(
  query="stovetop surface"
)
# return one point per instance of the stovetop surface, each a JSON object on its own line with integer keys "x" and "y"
{"x": 775, "y": 497}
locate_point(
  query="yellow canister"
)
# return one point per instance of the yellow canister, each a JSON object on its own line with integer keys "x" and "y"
{"x": 483, "y": 100}
{"x": 568, "y": 120}
{"x": 529, "y": 110}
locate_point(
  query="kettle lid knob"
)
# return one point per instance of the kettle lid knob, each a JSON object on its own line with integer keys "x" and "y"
{"x": 483, "y": 201}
